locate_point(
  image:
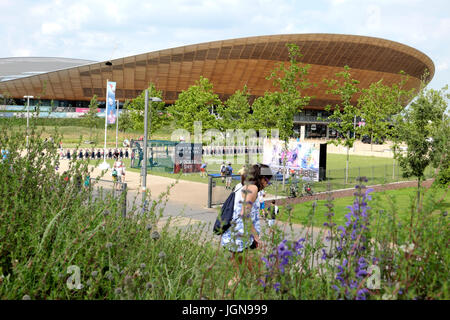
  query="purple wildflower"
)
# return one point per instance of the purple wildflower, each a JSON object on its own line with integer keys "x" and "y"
{"x": 361, "y": 294}
{"x": 277, "y": 286}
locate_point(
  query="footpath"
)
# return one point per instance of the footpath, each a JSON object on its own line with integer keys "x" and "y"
{"x": 186, "y": 201}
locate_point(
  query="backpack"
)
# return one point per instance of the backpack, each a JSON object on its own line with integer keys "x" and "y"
{"x": 114, "y": 173}
{"x": 227, "y": 171}
{"x": 223, "y": 221}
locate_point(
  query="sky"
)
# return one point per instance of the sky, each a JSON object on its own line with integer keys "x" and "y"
{"x": 108, "y": 29}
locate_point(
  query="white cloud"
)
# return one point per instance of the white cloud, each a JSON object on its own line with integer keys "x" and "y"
{"x": 373, "y": 17}
{"x": 442, "y": 66}
{"x": 91, "y": 29}
{"x": 21, "y": 52}
{"x": 51, "y": 28}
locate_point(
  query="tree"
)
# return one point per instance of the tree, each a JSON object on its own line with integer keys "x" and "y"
{"x": 290, "y": 80}
{"x": 264, "y": 112}
{"x": 136, "y": 108}
{"x": 284, "y": 103}
{"x": 125, "y": 121}
{"x": 343, "y": 116}
{"x": 378, "y": 104}
{"x": 441, "y": 161}
{"x": 420, "y": 126}
{"x": 90, "y": 118}
{"x": 234, "y": 113}
{"x": 197, "y": 103}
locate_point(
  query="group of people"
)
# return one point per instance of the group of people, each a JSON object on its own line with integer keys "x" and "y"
{"x": 94, "y": 154}
{"x": 226, "y": 172}
{"x": 213, "y": 150}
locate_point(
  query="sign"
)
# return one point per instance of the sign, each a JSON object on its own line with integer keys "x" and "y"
{"x": 110, "y": 102}
{"x": 188, "y": 157}
{"x": 300, "y": 156}
{"x": 84, "y": 110}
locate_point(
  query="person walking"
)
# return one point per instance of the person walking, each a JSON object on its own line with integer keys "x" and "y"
{"x": 203, "y": 169}
{"x": 222, "y": 171}
{"x": 133, "y": 156}
{"x": 245, "y": 227}
{"x": 119, "y": 169}
{"x": 228, "y": 175}
{"x": 272, "y": 213}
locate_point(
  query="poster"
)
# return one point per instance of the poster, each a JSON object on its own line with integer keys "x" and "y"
{"x": 188, "y": 156}
{"x": 300, "y": 156}
{"x": 111, "y": 102}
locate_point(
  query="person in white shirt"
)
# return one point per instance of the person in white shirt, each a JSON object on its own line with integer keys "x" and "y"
{"x": 120, "y": 169}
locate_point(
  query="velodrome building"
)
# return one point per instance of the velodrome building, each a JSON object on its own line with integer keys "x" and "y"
{"x": 228, "y": 64}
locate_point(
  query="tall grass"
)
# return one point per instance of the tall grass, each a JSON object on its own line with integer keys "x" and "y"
{"x": 49, "y": 224}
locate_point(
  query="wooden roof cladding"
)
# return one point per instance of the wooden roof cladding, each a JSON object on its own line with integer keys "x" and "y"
{"x": 231, "y": 64}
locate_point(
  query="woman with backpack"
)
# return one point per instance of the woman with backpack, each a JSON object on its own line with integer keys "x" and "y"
{"x": 243, "y": 234}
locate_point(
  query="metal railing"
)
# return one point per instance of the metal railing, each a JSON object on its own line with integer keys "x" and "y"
{"x": 332, "y": 180}
{"x": 218, "y": 191}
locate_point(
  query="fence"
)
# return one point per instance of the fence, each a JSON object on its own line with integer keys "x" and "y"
{"x": 335, "y": 180}
{"x": 106, "y": 188}
{"x": 218, "y": 191}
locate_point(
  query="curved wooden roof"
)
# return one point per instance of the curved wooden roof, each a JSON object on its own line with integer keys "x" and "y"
{"x": 231, "y": 64}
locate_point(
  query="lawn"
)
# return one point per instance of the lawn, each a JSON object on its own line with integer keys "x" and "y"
{"x": 392, "y": 201}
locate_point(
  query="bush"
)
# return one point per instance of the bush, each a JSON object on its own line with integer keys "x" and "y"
{"x": 50, "y": 228}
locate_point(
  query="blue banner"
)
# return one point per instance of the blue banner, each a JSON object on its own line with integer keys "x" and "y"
{"x": 111, "y": 102}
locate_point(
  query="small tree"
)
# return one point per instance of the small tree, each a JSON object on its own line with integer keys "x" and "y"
{"x": 264, "y": 112}
{"x": 378, "y": 104}
{"x": 136, "y": 108}
{"x": 234, "y": 113}
{"x": 90, "y": 118}
{"x": 418, "y": 127}
{"x": 291, "y": 80}
{"x": 441, "y": 161}
{"x": 197, "y": 103}
{"x": 125, "y": 123}
{"x": 343, "y": 116}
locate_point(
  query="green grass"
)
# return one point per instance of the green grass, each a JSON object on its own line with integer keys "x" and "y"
{"x": 397, "y": 201}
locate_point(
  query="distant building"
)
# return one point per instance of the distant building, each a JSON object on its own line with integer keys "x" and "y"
{"x": 229, "y": 65}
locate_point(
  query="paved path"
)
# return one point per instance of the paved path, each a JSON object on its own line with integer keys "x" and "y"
{"x": 186, "y": 202}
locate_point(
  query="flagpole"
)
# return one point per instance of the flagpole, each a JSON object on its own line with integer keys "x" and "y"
{"x": 117, "y": 121}
{"x": 105, "y": 165}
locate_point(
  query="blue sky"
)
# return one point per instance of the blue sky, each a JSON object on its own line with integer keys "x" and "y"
{"x": 101, "y": 29}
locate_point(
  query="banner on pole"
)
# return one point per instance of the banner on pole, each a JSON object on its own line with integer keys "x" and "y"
{"x": 111, "y": 102}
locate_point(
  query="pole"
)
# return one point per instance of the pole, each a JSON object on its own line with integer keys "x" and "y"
{"x": 144, "y": 175}
{"x": 28, "y": 116}
{"x": 117, "y": 121}
{"x": 106, "y": 123}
